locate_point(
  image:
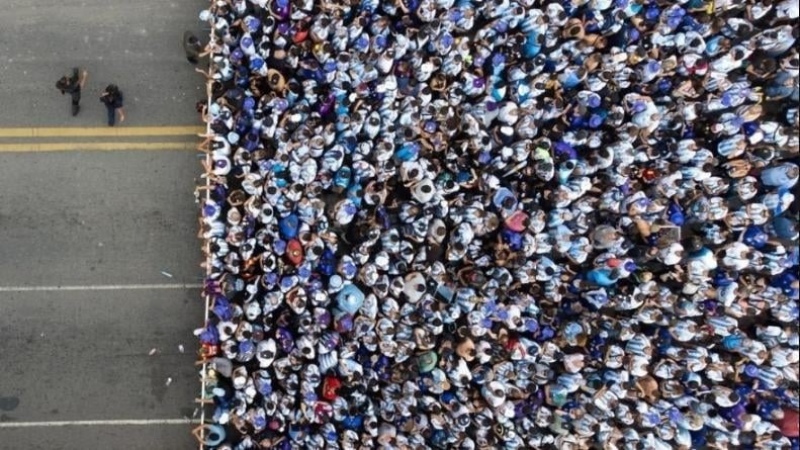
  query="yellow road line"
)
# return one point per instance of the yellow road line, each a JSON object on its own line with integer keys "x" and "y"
{"x": 95, "y": 146}
{"x": 99, "y": 131}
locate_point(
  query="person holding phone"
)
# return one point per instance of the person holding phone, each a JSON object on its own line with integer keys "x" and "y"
{"x": 113, "y": 99}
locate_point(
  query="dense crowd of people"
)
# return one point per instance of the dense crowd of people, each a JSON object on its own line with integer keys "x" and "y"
{"x": 512, "y": 224}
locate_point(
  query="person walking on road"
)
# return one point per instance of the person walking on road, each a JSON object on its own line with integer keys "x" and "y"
{"x": 113, "y": 99}
{"x": 72, "y": 84}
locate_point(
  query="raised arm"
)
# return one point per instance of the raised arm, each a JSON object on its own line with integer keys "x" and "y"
{"x": 84, "y": 77}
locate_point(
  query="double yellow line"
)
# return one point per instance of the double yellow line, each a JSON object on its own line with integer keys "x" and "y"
{"x": 20, "y": 140}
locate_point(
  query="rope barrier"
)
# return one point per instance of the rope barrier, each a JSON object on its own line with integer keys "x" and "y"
{"x": 201, "y": 431}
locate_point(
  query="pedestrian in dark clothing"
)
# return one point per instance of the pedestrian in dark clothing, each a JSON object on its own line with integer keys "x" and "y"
{"x": 72, "y": 84}
{"x": 113, "y": 99}
{"x": 192, "y": 47}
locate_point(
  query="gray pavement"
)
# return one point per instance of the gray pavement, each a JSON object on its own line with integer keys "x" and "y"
{"x": 84, "y": 218}
{"x": 85, "y": 355}
{"x": 89, "y": 219}
{"x": 97, "y": 218}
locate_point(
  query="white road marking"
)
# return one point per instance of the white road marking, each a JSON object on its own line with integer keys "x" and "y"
{"x": 107, "y": 287}
{"x": 96, "y": 423}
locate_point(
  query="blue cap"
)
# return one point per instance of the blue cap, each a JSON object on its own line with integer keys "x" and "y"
{"x": 362, "y": 43}
{"x": 676, "y": 214}
{"x": 252, "y": 23}
{"x": 447, "y": 40}
{"x": 755, "y": 236}
{"x": 350, "y": 299}
{"x": 256, "y": 63}
{"x": 288, "y": 226}
{"x": 407, "y": 152}
{"x": 286, "y": 282}
{"x": 222, "y": 308}
{"x": 260, "y": 422}
{"x": 564, "y": 149}
{"x": 447, "y": 397}
{"x": 380, "y": 42}
{"x": 352, "y": 422}
{"x": 732, "y": 342}
{"x": 750, "y": 128}
{"x": 237, "y": 54}
{"x": 513, "y": 239}
{"x": 726, "y": 99}
{"x": 498, "y": 59}
{"x": 209, "y": 210}
{"x": 546, "y": 333}
{"x": 349, "y": 269}
{"x": 698, "y": 437}
{"x": 350, "y": 208}
{"x": 720, "y": 278}
{"x": 210, "y": 335}
{"x": 264, "y": 387}
{"x": 246, "y": 346}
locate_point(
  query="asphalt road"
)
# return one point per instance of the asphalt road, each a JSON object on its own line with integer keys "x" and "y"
{"x": 85, "y": 355}
{"x": 100, "y": 222}
{"x": 85, "y": 218}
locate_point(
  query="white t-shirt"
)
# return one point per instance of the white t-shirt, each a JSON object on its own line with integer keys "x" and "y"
{"x": 788, "y": 9}
{"x": 735, "y": 256}
{"x": 672, "y": 254}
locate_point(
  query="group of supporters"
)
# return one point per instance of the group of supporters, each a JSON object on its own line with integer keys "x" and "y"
{"x": 511, "y": 224}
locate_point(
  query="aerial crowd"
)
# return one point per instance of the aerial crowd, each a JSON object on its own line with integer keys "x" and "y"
{"x": 510, "y": 224}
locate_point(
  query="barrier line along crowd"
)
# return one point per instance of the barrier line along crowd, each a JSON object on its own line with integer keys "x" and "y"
{"x": 504, "y": 224}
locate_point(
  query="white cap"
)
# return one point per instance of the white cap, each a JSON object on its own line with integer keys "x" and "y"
{"x": 335, "y": 282}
